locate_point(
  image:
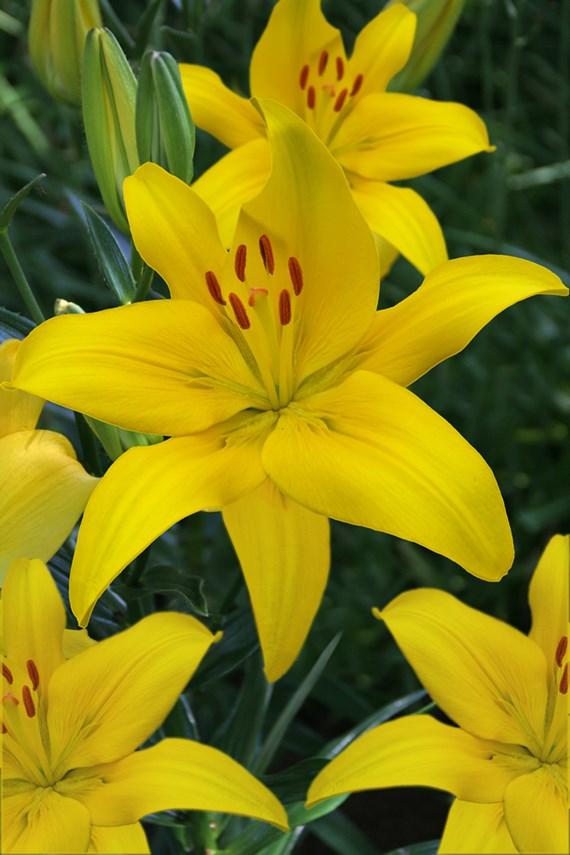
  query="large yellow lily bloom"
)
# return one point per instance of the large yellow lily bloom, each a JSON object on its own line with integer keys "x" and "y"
{"x": 507, "y": 762}
{"x": 282, "y": 387}
{"x": 43, "y": 487}
{"x": 72, "y": 779}
{"x": 376, "y": 136}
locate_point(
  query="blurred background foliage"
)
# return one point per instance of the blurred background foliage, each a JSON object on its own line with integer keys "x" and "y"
{"x": 508, "y": 394}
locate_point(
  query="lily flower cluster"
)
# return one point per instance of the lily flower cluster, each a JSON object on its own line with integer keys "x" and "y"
{"x": 279, "y": 394}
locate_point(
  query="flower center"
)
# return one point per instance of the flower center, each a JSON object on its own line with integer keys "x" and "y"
{"x": 23, "y": 720}
{"x": 328, "y": 93}
{"x": 260, "y": 302}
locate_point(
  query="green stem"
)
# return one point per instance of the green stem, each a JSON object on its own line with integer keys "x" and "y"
{"x": 143, "y": 284}
{"x": 19, "y": 277}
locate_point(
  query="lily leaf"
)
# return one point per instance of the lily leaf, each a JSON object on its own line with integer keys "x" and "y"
{"x": 12, "y": 204}
{"x": 110, "y": 259}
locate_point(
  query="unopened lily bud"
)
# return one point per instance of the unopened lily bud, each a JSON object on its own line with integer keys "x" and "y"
{"x": 436, "y": 20}
{"x": 56, "y": 38}
{"x": 116, "y": 441}
{"x": 164, "y": 127}
{"x": 65, "y": 307}
{"x": 109, "y": 95}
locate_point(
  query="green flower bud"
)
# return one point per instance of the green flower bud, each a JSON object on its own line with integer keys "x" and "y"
{"x": 436, "y": 22}
{"x": 116, "y": 441}
{"x": 165, "y": 131}
{"x": 56, "y": 38}
{"x": 109, "y": 95}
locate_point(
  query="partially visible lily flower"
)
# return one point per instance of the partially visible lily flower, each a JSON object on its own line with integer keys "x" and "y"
{"x": 72, "y": 779}
{"x": 376, "y": 136}
{"x": 43, "y": 487}
{"x": 507, "y": 762}
{"x": 282, "y": 387}
{"x": 56, "y": 40}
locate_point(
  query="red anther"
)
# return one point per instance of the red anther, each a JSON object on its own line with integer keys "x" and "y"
{"x": 311, "y": 97}
{"x": 339, "y": 68}
{"x": 253, "y": 293}
{"x": 239, "y": 261}
{"x": 323, "y": 59}
{"x": 561, "y": 650}
{"x": 304, "y": 76}
{"x": 28, "y": 701}
{"x": 33, "y": 673}
{"x": 340, "y": 99}
{"x": 214, "y": 287}
{"x": 239, "y": 311}
{"x": 356, "y": 86}
{"x": 564, "y": 681}
{"x": 296, "y": 274}
{"x": 266, "y": 251}
{"x": 285, "y": 307}
{"x": 7, "y": 674}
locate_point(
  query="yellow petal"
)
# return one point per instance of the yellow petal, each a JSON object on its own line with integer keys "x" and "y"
{"x": 44, "y": 491}
{"x": 184, "y": 775}
{"x": 217, "y": 110}
{"x": 296, "y": 34}
{"x": 76, "y": 641}
{"x": 472, "y": 827}
{"x": 106, "y": 701}
{"x": 401, "y": 217}
{"x": 455, "y": 301}
{"x": 18, "y": 410}
{"x": 284, "y": 553}
{"x": 44, "y": 823}
{"x": 536, "y": 812}
{"x": 548, "y": 597}
{"x": 369, "y": 452}
{"x": 487, "y": 676}
{"x": 383, "y": 47}
{"x": 163, "y": 367}
{"x": 391, "y": 136}
{"x": 307, "y": 210}
{"x": 232, "y": 181}
{"x": 414, "y": 751}
{"x": 145, "y": 492}
{"x": 126, "y": 839}
{"x": 174, "y": 231}
{"x": 33, "y": 618}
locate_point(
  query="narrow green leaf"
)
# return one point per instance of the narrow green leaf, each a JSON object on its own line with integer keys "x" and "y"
{"x": 239, "y": 642}
{"x": 428, "y": 847}
{"x": 111, "y": 261}
{"x": 298, "y": 698}
{"x": 165, "y": 579}
{"x": 12, "y": 204}
{"x": 13, "y": 325}
{"x": 343, "y": 836}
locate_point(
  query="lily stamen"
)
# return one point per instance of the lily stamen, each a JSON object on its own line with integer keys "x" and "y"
{"x": 29, "y": 705}
{"x": 33, "y": 674}
{"x": 267, "y": 256}
{"x": 239, "y": 261}
{"x": 357, "y": 85}
{"x": 239, "y": 311}
{"x": 339, "y": 68}
{"x": 340, "y": 99}
{"x": 7, "y": 674}
{"x": 214, "y": 287}
{"x": 561, "y": 650}
{"x": 285, "y": 307}
{"x": 296, "y": 275}
{"x": 323, "y": 60}
{"x": 563, "y": 688}
{"x": 311, "y": 97}
{"x": 304, "y": 76}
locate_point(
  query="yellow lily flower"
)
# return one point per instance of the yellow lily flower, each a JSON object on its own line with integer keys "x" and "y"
{"x": 507, "y": 762}
{"x": 282, "y": 388}
{"x": 72, "y": 779}
{"x": 44, "y": 488}
{"x": 376, "y": 136}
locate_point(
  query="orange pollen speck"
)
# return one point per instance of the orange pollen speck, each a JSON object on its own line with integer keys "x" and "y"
{"x": 7, "y": 674}
{"x": 285, "y": 307}
{"x": 356, "y": 86}
{"x": 33, "y": 673}
{"x": 214, "y": 288}
{"x": 28, "y": 701}
{"x": 296, "y": 274}
{"x": 339, "y": 68}
{"x": 304, "y": 76}
{"x": 561, "y": 650}
{"x": 239, "y": 261}
{"x": 311, "y": 97}
{"x": 253, "y": 294}
{"x": 323, "y": 59}
{"x": 239, "y": 311}
{"x": 564, "y": 681}
{"x": 266, "y": 251}
{"x": 340, "y": 99}
{"x": 10, "y": 698}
